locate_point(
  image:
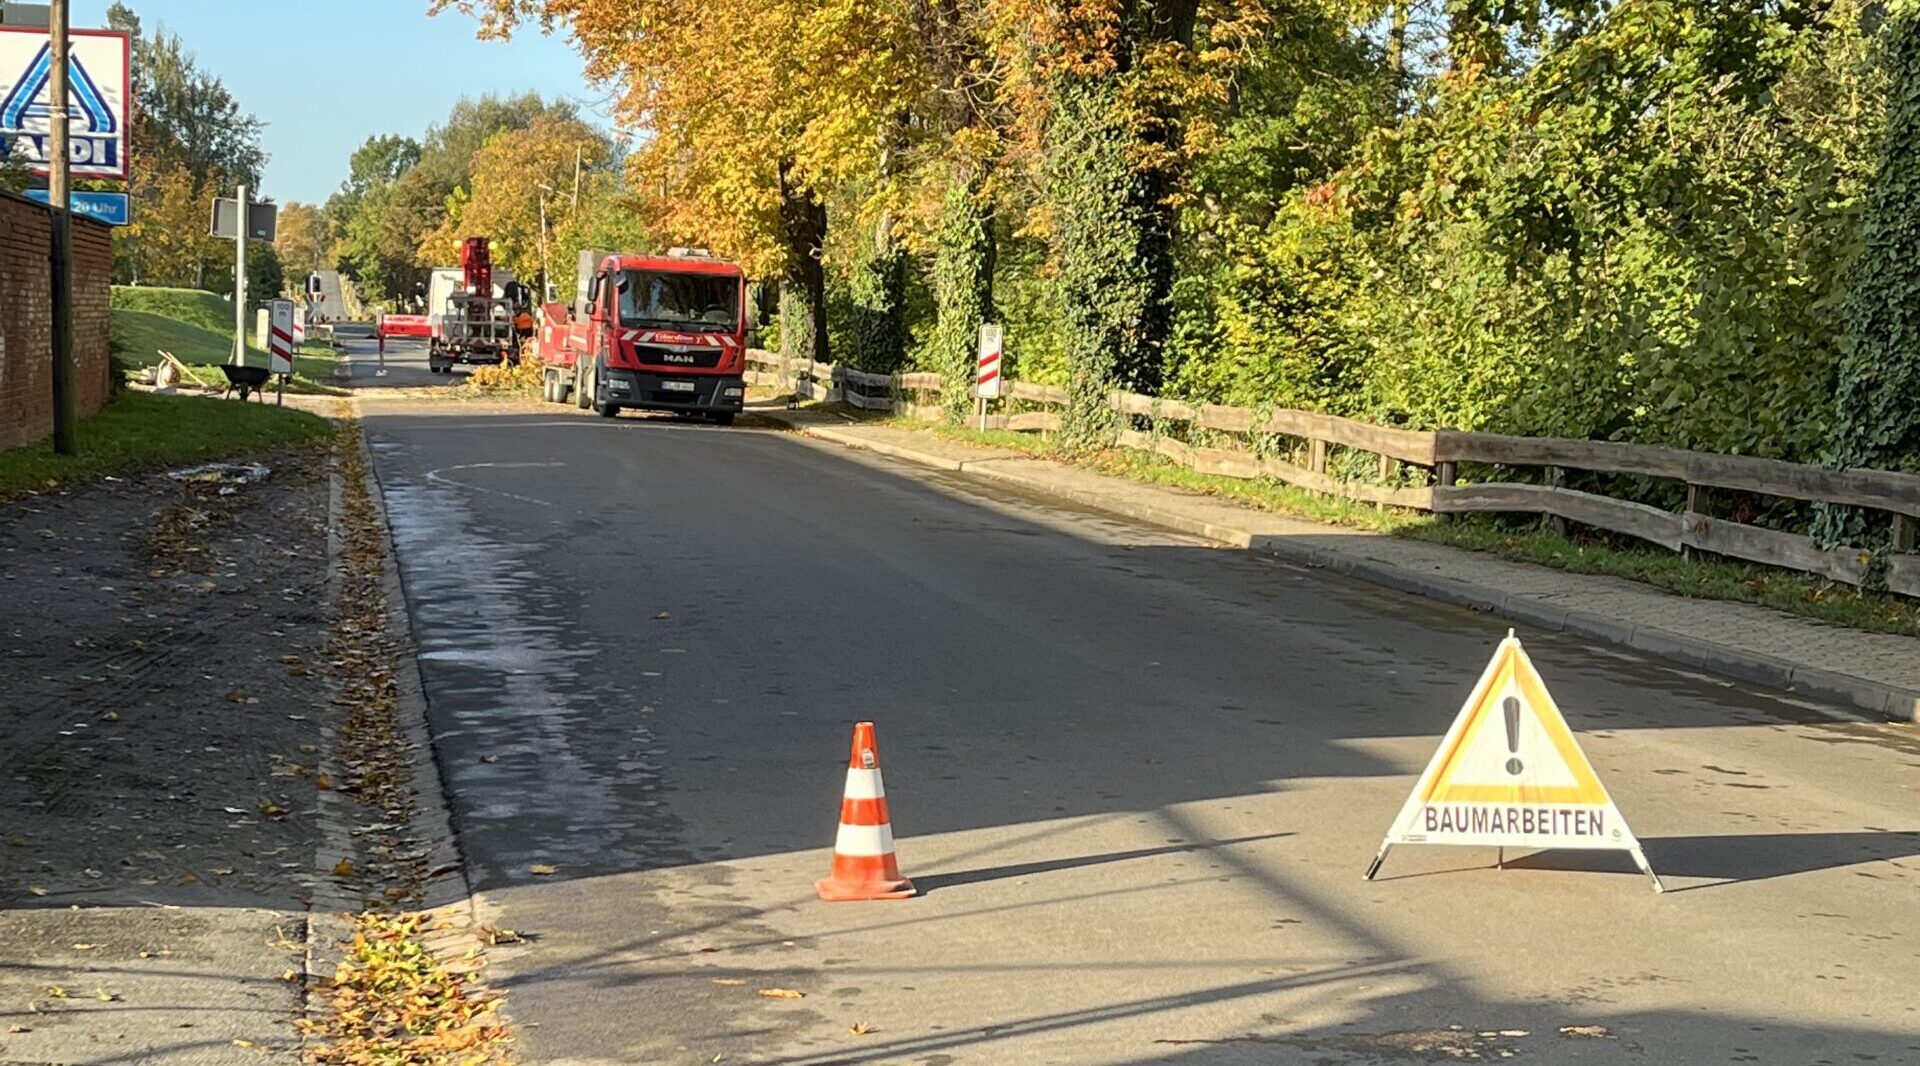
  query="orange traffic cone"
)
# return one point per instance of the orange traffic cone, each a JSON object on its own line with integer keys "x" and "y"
{"x": 863, "y": 862}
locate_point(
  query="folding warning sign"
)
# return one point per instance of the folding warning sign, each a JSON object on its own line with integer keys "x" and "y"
{"x": 1510, "y": 774}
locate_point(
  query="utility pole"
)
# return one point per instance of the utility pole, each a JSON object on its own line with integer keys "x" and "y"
{"x": 240, "y": 278}
{"x": 61, "y": 259}
{"x": 546, "y": 278}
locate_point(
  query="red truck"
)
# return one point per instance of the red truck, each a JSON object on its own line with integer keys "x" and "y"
{"x": 650, "y": 332}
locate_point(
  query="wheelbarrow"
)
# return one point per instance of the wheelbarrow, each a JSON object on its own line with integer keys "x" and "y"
{"x": 246, "y": 380}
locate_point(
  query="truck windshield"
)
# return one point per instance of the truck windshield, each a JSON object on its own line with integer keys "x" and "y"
{"x": 706, "y": 301}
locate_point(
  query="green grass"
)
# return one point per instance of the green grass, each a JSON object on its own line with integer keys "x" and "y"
{"x": 142, "y": 328}
{"x": 195, "y": 307}
{"x": 1518, "y": 538}
{"x": 141, "y": 431}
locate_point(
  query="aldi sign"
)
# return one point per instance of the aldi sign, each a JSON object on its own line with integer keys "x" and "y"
{"x": 100, "y": 91}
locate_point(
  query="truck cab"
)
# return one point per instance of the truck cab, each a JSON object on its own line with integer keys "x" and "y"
{"x": 650, "y": 332}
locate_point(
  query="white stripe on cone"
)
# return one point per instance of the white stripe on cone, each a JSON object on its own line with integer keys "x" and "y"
{"x": 866, "y": 841}
{"x": 864, "y": 785}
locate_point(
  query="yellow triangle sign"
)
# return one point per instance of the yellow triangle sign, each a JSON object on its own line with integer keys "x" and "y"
{"x": 1510, "y": 774}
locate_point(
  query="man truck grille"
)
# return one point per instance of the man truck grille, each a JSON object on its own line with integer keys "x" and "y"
{"x": 655, "y": 355}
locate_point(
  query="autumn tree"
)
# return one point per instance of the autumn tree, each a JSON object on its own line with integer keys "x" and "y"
{"x": 186, "y": 126}
{"x": 373, "y": 250}
{"x": 170, "y": 229}
{"x": 303, "y": 238}
{"x": 749, "y": 116}
{"x": 520, "y": 195}
{"x": 400, "y": 191}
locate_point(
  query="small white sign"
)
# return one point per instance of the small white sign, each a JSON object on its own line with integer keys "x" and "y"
{"x": 280, "y": 336}
{"x": 987, "y": 379}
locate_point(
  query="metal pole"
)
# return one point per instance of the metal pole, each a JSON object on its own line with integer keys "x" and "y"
{"x": 65, "y": 412}
{"x": 545, "y": 276}
{"x": 240, "y": 280}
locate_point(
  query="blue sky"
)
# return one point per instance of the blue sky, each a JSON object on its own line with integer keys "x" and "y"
{"x": 340, "y": 71}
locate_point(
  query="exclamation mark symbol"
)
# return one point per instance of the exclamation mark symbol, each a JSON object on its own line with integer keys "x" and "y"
{"x": 1512, "y": 707}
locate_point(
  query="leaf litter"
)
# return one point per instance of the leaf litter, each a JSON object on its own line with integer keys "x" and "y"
{"x": 393, "y": 1000}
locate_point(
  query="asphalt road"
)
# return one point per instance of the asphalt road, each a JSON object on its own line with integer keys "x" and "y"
{"x": 405, "y": 363}
{"x": 1136, "y": 778}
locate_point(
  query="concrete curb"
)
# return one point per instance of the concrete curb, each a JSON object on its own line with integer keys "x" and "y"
{"x": 1886, "y": 701}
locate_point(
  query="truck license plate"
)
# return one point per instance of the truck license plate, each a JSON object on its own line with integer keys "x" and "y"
{"x": 677, "y": 386}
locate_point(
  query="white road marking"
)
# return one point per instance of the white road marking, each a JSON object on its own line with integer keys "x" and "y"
{"x": 434, "y": 476}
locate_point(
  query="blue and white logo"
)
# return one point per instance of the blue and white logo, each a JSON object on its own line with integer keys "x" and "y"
{"x": 96, "y": 100}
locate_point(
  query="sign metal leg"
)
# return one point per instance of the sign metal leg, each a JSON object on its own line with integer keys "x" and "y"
{"x": 1374, "y": 866}
{"x": 1640, "y": 860}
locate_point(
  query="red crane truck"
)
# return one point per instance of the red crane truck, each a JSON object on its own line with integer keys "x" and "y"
{"x": 650, "y": 332}
{"x": 470, "y": 312}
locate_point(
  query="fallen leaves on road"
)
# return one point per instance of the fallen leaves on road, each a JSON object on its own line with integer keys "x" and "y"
{"x": 17, "y": 1029}
{"x": 782, "y": 993}
{"x": 729, "y": 981}
{"x": 541, "y": 869}
{"x": 396, "y": 1003}
{"x": 1585, "y": 1030}
{"x": 860, "y": 1028}
{"x": 393, "y": 1001}
{"x": 374, "y": 760}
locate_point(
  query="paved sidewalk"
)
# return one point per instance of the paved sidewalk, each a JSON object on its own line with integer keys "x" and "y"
{"x": 1872, "y": 672}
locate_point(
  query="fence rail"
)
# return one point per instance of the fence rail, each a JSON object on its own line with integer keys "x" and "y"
{"x": 1439, "y": 454}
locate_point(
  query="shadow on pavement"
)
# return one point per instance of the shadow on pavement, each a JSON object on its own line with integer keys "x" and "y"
{"x": 933, "y": 882}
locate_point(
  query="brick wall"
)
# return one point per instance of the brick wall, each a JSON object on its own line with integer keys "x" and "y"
{"x": 26, "y": 319}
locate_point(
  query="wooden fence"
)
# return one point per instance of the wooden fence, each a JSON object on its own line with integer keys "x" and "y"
{"x": 1418, "y": 470}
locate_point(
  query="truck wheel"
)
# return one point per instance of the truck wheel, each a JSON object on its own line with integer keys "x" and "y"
{"x": 604, "y": 408}
{"x": 549, "y": 383}
{"x": 579, "y": 388}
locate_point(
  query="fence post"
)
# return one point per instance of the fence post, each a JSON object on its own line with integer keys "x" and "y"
{"x": 1696, "y": 499}
{"x": 1389, "y": 466}
{"x": 1317, "y": 456}
{"x": 1444, "y": 476}
{"x": 1904, "y": 529}
{"x": 1554, "y": 477}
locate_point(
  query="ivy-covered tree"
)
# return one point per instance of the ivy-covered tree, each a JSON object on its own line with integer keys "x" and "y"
{"x": 1877, "y": 402}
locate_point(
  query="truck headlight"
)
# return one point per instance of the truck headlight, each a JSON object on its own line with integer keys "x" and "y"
{"x": 733, "y": 392}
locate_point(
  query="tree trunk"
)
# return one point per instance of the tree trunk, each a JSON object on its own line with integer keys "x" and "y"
{"x": 803, "y": 318}
{"x": 962, "y": 287}
{"x": 1397, "y": 59}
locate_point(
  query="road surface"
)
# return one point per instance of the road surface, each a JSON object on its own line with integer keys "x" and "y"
{"x": 405, "y": 364}
{"x": 1136, "y": 778}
